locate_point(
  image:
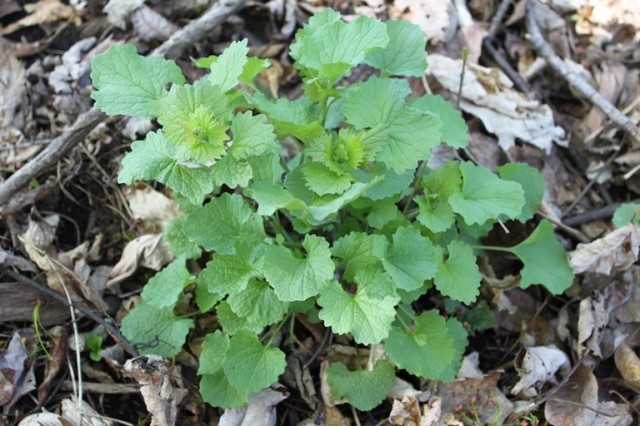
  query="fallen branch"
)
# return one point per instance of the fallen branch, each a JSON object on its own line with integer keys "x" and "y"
{"x": 174, "y": 46}
{"x": 574, "y": 79}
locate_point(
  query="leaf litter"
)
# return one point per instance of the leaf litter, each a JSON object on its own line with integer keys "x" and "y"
{"x": 600, "y": 306}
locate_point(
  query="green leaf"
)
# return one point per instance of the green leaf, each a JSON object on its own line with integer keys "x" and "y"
{"x": 194, "y": 117}
{"x": 335, "y": 46}
{"x": 455, "y": 132}
{"x": 251, "y": 138}
{"x": 405, "y": 54}
{"x": 214, "y": 347}
{"x": 222, "y": 222}
{"x": 376, "y": 283}
{"x": 232, "y": 323}
{"x": 458, "y": 276}
{"x": 249, "y": 365}
{"x": 156, "y": 330}
{"x": 427, "y": 351}
{"x": 531, "y": 181}
{"x": 626, "y": 213}
{"x": 204, "y": 298}
{"x": 321, "y": 180}
{"x": 153, "y": 159}
{"x": 217, "y": 391}
{"x": 383, "y": 212}
{"x": 258, "y": 304}
{"x": 297, "y": 118}
{"x": 298, "y": 279}
{"x": 272, "y": 197}
{"x": 376, "y": 102}
{"x": 130, "y": 84}
{"x": 457, "y": 331}
{"x": 230, "y": 273}
{"x": 358, "y": 250}
{"x": 179, "y": 244}
{"x": 435, "y": 216}
{"x": 545, "y": 260}
{"x": 323, "y": 207}
{"x": 411, "y": 259}
{"x": 363, "y": 389}
{"x": 368, "y": 319}
{"x": 227, "y": 69}
{"x": 480, "y": 317}
{"x": 392, "y": 184}
{"x": 165, "y": 287}
{"x": 485, "y": 196}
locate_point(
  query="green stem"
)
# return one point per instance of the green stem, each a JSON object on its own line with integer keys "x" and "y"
{"x": 465, "y": 55}
{"x": 419, "y": 174}
{"x": 404, "y": 323}
{"x": 492, "y": 248}
{"x": 275, "y": 332}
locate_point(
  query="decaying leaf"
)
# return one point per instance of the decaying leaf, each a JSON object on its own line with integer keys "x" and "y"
{"x": 41, "y": 12}
{"x": 57, "y": 360}
{"x": 75, "y": 414}
{"x": 479, "y": 395}
{"x": 435, "y": 17}
{"x": 149, "y": 250}
{"x": 407, "y": 412}
{"x": 576, "y": 402}
{"x": 159, "y": 389}
{"x": 151, "y": 25}
{"x": 67, "y": 272}
{"x": 628, "y": 364}
{"x": 16, "y": 372}
{"x": 592, "y": 320}
{"x": 489, "y": 95}
{"x": 539, "y": 365}
{"x": 260, "y": 411}
{"x": 616, "y": 251}
{"x": 118, "y": 11}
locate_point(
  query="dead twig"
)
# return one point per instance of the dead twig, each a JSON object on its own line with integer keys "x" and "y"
{"x": 574, "y": 79}
{"x": 174, "y": 46}
{"x": 597, "y": 214}
{"x": 111, "y": 329}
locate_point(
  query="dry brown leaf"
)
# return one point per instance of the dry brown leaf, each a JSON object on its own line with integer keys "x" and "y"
{"x": 576, "y": 402}
{"x": 13, "y": 106}
{"x": 481, "y": 395}
{"x": 119, "y": 10}
{"x": 148, "y": 251}
{"x": 66, "y": 272}
{"x": 434, "y": 17}
{"x": 82, "y": 413}
{"x": 159, "y": 389}
{"x": 150, "y": 25}
{"x": 538, "y": 366}
{"x": 407, "y": 412}
{"x": 150, "y": 205}
{"x": 42, "y": 12}
{"x": 260, "y": 411}
{"x": 616, "y": 251}
{"x": 489, "y": 95}
{"x": 592, "y": 320}
{"x": 44, "y": 419}
{"x": 55, "y": 362}
{"x": 628, "y": 364}
{"x": 16, "y": 371}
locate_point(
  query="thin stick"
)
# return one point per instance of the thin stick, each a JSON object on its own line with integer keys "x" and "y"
{"x": 574, "y": 79}
{"x": 111, "y": 329}
{"x": 174, "y": 46}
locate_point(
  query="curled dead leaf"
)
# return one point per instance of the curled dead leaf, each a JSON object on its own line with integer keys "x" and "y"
{"x": 616, "y": 251}
{"x": 539, "y": 365}
{"x": 628, "y": 364}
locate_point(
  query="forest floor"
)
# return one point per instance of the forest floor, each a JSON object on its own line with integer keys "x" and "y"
{"x": 533, "y": 358}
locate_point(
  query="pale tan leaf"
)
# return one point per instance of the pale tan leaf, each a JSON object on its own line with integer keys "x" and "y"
{"x": 616, "y": 251}
{"x": 539, "y": 366}
{"x": 576, "y": 402}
